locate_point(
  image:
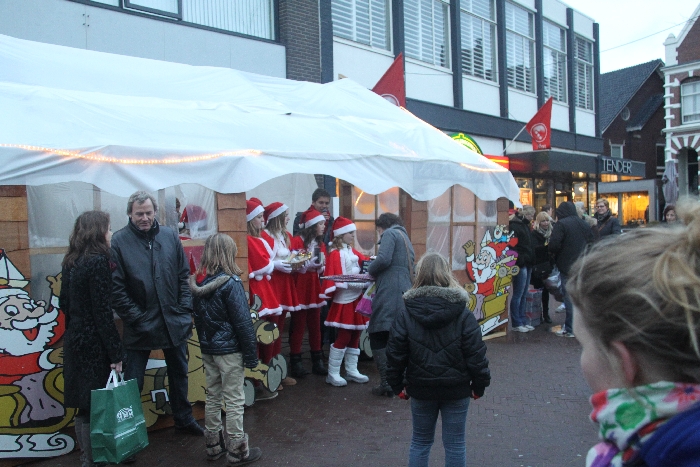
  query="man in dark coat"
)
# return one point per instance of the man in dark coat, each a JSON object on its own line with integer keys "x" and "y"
{"x": 152, "y": 297}
{"x": 569, "y": 239}
{"x": 526, "y": 258}
{"x": 607, "y": 223}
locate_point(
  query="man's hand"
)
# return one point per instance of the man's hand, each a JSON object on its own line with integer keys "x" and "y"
{"x": 116, "y": 367}
{"x": 469, "y": 248}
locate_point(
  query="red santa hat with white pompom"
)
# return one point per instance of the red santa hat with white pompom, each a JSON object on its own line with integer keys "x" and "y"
{"x": 311, "y": 217}
{"x": 253, "y": 207}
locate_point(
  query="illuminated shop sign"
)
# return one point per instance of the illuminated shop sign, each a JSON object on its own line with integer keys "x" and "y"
{"x": 615, "y": 166}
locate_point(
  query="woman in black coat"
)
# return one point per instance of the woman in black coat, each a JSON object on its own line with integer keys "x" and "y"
{"x": 540, "y": 240}
{"x": 91, "y": 346}
{"x": 436, "y": 353}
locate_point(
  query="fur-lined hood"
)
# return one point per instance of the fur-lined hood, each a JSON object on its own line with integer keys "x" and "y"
{"x": 208, "y": 285}
{"x": 435, "y": 307}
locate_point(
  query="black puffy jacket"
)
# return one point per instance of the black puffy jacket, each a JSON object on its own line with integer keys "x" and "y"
{"x": 570, "y": 237}
{"x": 149, "y": 287}
{"x": 222, "y": 317}
{"x": 437, "y": 343}
{"x": 521, "y": 228}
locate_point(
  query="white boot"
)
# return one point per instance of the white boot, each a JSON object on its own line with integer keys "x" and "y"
{"x": 351, "y": 373}
{"x": 335, "y": 358}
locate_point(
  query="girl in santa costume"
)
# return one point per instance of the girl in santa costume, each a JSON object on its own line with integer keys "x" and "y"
{"x": 343, "y": 259}
{"x": 308, "y": 287}
{"x": 639, "y": 329}
{"x": 276, "y": 218}
{"x": 260, "y": 264}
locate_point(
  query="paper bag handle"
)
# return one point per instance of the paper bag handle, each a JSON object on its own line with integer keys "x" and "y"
{"x": 115, "y": 379}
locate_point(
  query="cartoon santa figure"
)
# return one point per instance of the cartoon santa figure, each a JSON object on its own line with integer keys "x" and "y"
{"x": 481, "y": 269}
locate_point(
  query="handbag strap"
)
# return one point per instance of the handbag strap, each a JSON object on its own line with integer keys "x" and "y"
{"x": 409, "y": 263}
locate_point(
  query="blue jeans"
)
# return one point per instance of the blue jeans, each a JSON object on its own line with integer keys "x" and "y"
{"x": 176, "y": 362}
{"x": 569, "y": 320}
{"x": 454, "y": 420}
{"x": 519, "y": 299}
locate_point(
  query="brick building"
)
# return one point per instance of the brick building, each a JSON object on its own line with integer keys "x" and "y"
{"x": 632, "y": 120}
{"x": 682, "y": 103}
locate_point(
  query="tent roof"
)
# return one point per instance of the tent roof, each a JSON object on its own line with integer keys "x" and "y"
{"x": 125, "y": 123}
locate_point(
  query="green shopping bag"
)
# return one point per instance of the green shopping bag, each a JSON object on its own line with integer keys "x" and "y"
{"x": 117, "y": 426}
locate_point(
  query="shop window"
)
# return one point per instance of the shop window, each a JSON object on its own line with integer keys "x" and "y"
{"x": 616, "y": 150}
{"x": 520, "y": 48}
{"x": 454, "y": 218}
{"x": 478, "y": 20}
{"x": 363, "y": 21}
{"x": 583, "y": 72}
{"x": 635, "y": 209}
{"x": 426, "y": 25}
{"x": 690, "y": 101}
{"x": 365, "y": 209}
{"x": 525, "y": 185}
{"x": 554, "y": 62}
{"x": 543, "y": 193}
{"x": 580, "y": 192}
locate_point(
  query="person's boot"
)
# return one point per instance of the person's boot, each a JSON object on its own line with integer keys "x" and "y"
{"x": 335, "y": 359}
{"x": 216, "y": 447}
{"x": 297, "y": 369}
{"x": 545, "y": 316}
{"x": 317, "y": 366}
{"x": 238, "y": 452}
{"x": 351, "y": 373}
{"x": 383, "y": 389}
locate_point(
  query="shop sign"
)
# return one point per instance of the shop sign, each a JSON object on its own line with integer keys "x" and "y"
{"x": 616, "y": 166}
{"x": 468, "y": 141}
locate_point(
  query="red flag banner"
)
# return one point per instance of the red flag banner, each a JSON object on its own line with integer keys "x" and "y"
{"x": 540, "y": 127}
{"x": 392, "y": 86}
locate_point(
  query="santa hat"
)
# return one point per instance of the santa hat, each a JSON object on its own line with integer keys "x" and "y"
{"x": 253, "y": 207}
{"x": 342, "y": 226}
{"x": 490, "y": 250}
{"x": 194, "y": 216}
{"x": 311, "y": 217}
{"x": 273, "y": 210}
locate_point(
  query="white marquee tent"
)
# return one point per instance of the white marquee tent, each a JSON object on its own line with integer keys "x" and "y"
{"x": 124, "y": 123}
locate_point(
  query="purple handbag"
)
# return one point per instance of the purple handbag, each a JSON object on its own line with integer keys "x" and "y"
{"x": 364, "y": 306}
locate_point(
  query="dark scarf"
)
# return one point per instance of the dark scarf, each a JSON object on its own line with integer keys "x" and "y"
{"x": 602, "y": 219}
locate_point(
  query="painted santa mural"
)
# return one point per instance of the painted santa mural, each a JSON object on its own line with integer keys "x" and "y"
{"x": 490, "y": 271}
{"x": 31, "y": 372}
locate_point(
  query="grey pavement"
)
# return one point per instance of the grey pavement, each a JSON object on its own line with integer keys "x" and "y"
{"x": 535, "y": 413}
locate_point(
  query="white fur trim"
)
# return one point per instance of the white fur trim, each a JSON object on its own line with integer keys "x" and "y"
{"x": 356, "y": 327}
{"x": 267, "y": 270}
{"x": 316, "y": 220}
{"x": 254, "y": 213}
{"x": 277, "y": 212}
{"x": 343, "y": 230}
{"x": 327, "y": 292}
{"x": 270, "y": 312}
{"x": 291, "y": 308}
{"x": 312, "y": 306}
{"x": 44, "y": 362}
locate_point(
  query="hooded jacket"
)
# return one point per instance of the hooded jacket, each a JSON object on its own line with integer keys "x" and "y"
{"x": 222, "y": 317}
{"x": 569, "y": 238}
{"x": 436, "y": 342}
{"x": 149, "y": 287}
{"x": 676, "y": 443}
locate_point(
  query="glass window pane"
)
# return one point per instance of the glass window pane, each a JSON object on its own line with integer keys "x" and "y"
{"x": 460, "y": 236}
{"x": 438, "y": 239}
{"x": 439, "y": 209}
{"x": 487, "y": 212}
{"x": 363, "y": 205}
{"x": 52, "y": 210}
{"x": 365, "y": 238}
{"x": 464, "y": 201}
{"x": 170, "y": 6}
{"x": 388, "y": 201}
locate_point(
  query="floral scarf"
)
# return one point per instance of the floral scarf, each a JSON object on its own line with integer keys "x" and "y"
{"x": 629, "y": 417}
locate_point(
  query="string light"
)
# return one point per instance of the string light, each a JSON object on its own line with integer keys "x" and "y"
{"x": 93, "y": 156}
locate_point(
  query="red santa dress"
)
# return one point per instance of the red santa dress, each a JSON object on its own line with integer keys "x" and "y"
{"x": 260, "y": 252}
{"x": 283, "y": 283}
{"x": 345, "y": 260}
{"x": 308, "y": 284}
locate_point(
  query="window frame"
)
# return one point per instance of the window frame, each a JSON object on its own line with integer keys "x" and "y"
{"x": 370, "y": 23}
{"x": 421, "y": 45}
{"x": 560, "y": 59}
{"x": 512, "y": 35}
{"x": 696, "y": 96}
{"x": 587, "y": 66}
{"x": 614, "y": 147}
{"x": 135, "y": 6}
{"x": 489, "y": 23}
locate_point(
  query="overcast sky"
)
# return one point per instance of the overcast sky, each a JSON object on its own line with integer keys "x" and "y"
{"x": 623, "y": 21}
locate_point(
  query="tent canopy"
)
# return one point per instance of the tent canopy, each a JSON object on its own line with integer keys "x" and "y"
{"x": 125, "y": 123}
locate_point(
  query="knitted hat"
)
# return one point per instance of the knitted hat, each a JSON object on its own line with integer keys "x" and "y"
{"x": 311, "y": 217}
{"x": 253, "y": 207}
{"x": 273, "y": 210}
{"x": 342, "y": 226}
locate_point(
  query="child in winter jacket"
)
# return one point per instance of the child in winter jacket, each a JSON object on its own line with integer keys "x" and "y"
{"x": 639, "y": 329}
{"x": 228, "y": 344}
{"x": 435, "y": 355}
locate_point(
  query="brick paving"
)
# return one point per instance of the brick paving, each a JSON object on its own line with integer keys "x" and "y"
{"x": 534, "y": 414}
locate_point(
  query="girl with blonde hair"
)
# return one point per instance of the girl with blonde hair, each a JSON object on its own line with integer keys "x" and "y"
{"x": 228, "y": 344}
{"x": 435, "y": 345}
{"x": 540, "y": 239}
{"x": 639, "y": 326}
